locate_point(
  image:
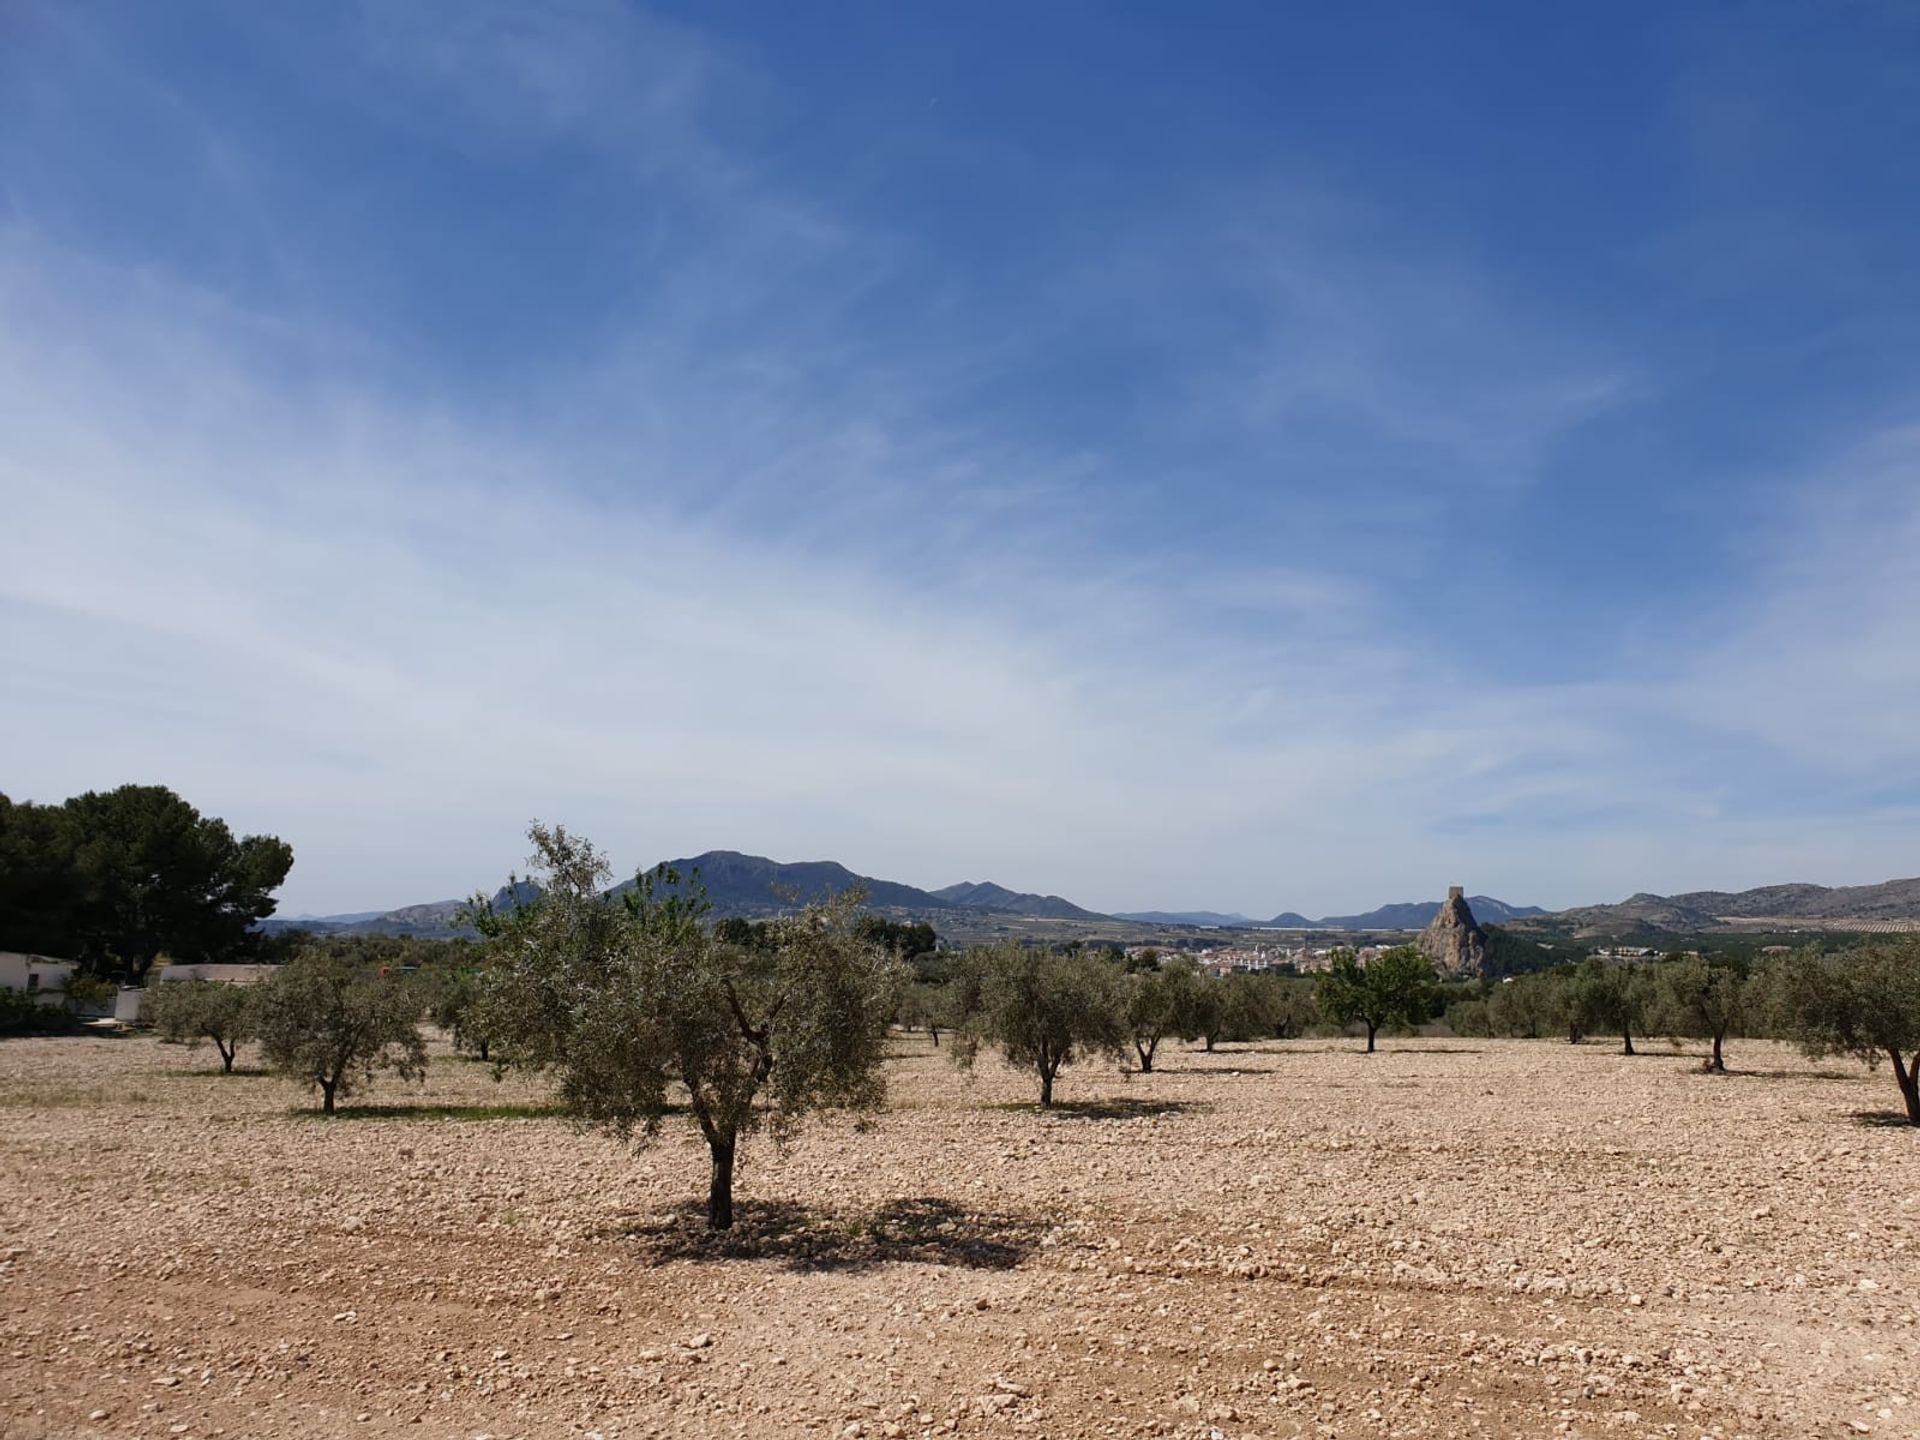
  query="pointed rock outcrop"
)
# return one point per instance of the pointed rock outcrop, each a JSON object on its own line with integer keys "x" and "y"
{"x": 1454, "y": 940}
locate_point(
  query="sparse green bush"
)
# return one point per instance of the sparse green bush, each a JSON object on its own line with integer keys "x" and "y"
{"x": 1469, "y": 1018}
{"x": 21, "y": 1014}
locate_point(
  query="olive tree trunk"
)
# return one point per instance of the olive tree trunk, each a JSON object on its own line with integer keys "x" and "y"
{"x": 720, "y": 1187}
{"x": 1909, "y": 1078}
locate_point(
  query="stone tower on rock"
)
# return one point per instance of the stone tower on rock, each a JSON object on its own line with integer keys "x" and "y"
{"x": 1454, "y": 940}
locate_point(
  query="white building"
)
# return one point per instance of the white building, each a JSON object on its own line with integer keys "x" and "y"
{"x": 40, "y": 976}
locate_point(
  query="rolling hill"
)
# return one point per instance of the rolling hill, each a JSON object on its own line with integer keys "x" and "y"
{"x": 1822, "y": 906}
{"x": 998, "y": 900}
{"x": 747, "y": 886}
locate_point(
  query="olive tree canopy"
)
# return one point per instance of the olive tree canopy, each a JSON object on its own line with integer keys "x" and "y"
{"x": 1704, "y": 999}
{"x": 1863, "y": 1002}
{"x": 632, "y": 1001}
{"x": 1397, "y": 985}
{"x": 1042, "y": 1010}
{"x": 1168, "y": 1000}
{"x": 332, "y": 1021}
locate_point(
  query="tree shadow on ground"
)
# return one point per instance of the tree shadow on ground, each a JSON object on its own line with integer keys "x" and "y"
{"x": 1882, "y": 1119}
{"x": 1216, "y": 1070}
{"x": 1119, "y": 1108}
{"x": 921, "y": 1231}
{"x": 1116, "y": 1108}
{"x": 433, "y": 1112}
{"x": 1796, "y": 1074}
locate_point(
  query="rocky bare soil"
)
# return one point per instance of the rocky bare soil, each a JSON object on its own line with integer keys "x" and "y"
{"x": 1448, "y": 1238}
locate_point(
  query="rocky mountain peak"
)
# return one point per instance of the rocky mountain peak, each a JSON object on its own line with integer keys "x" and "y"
{"x": 1454, "y": 940}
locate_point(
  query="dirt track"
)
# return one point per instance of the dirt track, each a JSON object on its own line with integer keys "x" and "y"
{"x": 1463, "y": 1237}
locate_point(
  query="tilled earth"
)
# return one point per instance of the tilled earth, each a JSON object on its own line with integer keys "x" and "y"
{"x": 1447, "y": 1238}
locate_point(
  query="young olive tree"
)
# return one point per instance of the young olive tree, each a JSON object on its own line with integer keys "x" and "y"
{"x": 1395, "y": 986}
{"x": 331, "y": 1020}
{"x": 1704, "y": 1000}
{"x": 188, "y": 1012}
{"x": 1040, "y": 1009}
{"x": 1163, "y": 1002}
{"x": 924, "y": 1005}
{"x": 1864, "y": 1002}
{"x": 632, "y": 1001}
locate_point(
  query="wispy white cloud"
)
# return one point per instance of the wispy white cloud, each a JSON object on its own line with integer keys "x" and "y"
{"x": 375, "y": 612}
{"x": 754, "y": 568}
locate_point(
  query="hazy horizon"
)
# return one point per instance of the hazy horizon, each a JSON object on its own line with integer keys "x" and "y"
{"x": 1250, "y": 460}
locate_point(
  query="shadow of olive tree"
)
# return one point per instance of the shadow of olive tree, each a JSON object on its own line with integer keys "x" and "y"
{"x": 918, "y": 1231}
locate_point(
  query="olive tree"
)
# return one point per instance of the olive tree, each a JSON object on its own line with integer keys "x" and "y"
{"x": 1289, "y": 1010}
{"x": 1864, "y": 1001}
{"x": 633, "y": 1001}
{"x": 1040, "y": 1009}
{"x": 1162, "y": 1002}
{"x": 188, "y": 1012}
{"x": 332, "y": 1021}
{"x": 1521, "y": 1006}
{"x": 453, "y": 1003}
{"x": 923, "y": 1005}
{"x": 1704, "y": 1000}
{"x": 1613, "y": 996}
{"x": 1397, "y": 985}
{"x": 1233, "y": 1007}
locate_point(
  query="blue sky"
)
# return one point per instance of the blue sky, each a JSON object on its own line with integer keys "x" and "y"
{"x": 1249, "y": 457}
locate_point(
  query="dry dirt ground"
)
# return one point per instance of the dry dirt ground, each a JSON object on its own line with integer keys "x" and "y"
{"x": 1449, "y": 1238}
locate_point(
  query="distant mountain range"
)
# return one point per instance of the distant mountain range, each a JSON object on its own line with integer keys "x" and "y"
{"x": 748, "y": 886}
{"x": 1416, "y": 915}
{"x": 752, "y": 886}
{"x": 1413, "y": 915}
{"x": 1827, "y": 906}
{"x": 998, "y": 900}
